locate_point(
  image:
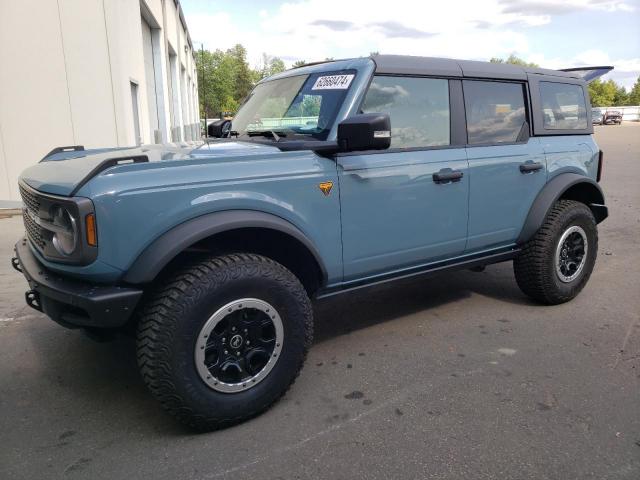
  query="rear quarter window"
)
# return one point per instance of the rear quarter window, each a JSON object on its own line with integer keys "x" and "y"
{"x": 563, "y": 106}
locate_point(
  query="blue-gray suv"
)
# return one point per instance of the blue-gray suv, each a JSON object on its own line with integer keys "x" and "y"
{"x": 331, "y": 177}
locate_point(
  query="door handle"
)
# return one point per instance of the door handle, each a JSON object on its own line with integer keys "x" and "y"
{"x": 530, "y": 167}
{"x": 447, "y": 175}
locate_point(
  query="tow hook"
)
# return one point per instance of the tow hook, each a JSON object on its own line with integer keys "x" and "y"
{"x": 33, "y": 300}
{"x": 15, "y": 263}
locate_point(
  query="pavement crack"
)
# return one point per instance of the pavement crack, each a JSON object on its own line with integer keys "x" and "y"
{"x": 632, "y": 324}
{"x": 304, "y": 441}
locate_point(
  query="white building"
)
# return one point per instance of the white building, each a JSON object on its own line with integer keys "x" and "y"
{"x": 91, "y": 72}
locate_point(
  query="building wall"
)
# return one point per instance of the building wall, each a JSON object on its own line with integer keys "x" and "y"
{"x": 68, "y": 69}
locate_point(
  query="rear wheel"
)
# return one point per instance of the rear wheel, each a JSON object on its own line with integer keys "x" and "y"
{"x": 224, "y": 338}
{"x": 556, "y": 263}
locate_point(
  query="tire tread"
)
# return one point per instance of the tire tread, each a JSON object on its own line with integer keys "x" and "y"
{"x": 159, "y": 316}
{"x": 531, "y": 267}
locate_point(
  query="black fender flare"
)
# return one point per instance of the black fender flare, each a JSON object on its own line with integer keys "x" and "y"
{"x": 552, "y": 192}
{"x": 168, "y": 245}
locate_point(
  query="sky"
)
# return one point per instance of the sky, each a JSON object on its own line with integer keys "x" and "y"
{"x": 552, "y": 33}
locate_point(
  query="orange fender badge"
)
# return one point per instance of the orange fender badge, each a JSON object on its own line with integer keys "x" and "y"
{"x": 326, "y": 187}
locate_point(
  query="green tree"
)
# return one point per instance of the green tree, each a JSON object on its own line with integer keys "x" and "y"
{"x": 225, "y": 79}
{"x": 242, "y": 75}
{"x": 634, "y": 94}
{"x": 298, "y": 64}
{"x": 602, "y": 94}
{"x": 311, "y": 106}
{"x": 621, "y": 96}
{"x": 515, "y": 60}
{"x": 217, "y": 86}
{"x": 276, "y": 66}
{"x": 270, "y": 66}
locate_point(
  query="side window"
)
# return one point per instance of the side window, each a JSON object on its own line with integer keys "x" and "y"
{"x": 418, "y": 107}
{"x": 495, "y": 111}
{"x": 563, "y": 106}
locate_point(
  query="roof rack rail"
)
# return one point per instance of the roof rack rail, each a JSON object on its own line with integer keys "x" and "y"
{"x": 70, "y": 148}
{"x": 108, "y": 163}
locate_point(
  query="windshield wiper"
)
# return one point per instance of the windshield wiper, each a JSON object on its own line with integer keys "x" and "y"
{"x": 265, "y": 133}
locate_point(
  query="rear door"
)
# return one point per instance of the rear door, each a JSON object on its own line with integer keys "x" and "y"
{"x": 507, "y": 168}
{"x": 408, "y": 205}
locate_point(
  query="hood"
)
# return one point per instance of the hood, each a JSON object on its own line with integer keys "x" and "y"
{"x": 65, "y": 173}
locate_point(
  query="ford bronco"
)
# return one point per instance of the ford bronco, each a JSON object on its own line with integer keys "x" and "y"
{"x": 331, "y": 177}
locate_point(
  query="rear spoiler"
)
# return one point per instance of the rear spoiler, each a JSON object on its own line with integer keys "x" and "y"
{"x": 588, "y": 74}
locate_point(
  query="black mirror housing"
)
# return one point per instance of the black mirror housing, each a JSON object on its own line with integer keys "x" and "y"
{"x": 219, "y": 128}
{"x": 366, "y": 131}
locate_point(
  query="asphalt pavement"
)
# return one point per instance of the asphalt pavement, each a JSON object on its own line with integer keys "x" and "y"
{"x": 459, "y": 376}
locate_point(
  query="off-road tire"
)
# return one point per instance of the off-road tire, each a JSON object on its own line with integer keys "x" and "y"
{"x": 535, "y": 269}
{"x": 174, "y": 314}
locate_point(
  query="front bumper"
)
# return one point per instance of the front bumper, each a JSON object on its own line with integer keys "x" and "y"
{"x": 71, "y": 302}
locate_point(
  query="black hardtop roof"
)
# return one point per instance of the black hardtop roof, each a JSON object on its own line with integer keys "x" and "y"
{"x": 413, "y": 65}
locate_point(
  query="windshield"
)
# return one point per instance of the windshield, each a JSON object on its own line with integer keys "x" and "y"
{"x": 293, "y": 106}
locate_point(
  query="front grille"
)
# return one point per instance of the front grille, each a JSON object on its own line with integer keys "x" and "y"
{"x": 32, "y": 205}
{"x": 30, "y": 200}
{"x": 34, "y": 231}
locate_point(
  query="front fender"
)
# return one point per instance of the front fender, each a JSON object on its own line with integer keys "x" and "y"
{"x": 589, "y": 192}
{"x": 165, "y": 248}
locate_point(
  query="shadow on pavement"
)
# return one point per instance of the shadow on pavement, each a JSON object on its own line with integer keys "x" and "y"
{"x": 103, "y": 379}
{"x": 343, "y": 314}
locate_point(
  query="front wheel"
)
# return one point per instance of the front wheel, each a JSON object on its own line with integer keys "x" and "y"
{"x": 223, "y": 338}
{"x": 556, "y": 263}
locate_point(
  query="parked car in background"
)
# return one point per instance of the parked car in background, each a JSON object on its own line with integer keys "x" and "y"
{"x": 597, "y": 116}
{"x": 330, "y": 178}
{"x": 612, "y": 117}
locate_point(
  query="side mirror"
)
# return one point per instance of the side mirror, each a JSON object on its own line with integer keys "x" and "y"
{"x": 219, "y": 128}
{"x": 367, "y": 131}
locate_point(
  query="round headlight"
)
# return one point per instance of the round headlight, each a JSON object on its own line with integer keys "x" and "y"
{"x": 65, "y": 237}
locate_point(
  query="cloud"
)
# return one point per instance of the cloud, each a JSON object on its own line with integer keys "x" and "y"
{"x": 554, "y": 7}
{"x": 337, "y": 25}
{"x": 397, "y": 30}
{"x": 313, "y": 30}
{"x": 381, "y": 97}
{"x": 483, "y": 24}
{"x": 538, "y": 8}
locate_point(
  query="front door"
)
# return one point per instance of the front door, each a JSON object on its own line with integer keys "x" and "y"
{"x": 406, "y": 206}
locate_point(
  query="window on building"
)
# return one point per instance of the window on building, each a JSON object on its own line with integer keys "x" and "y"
{"x": 495, "y": 111}
{"x": 150, "y": 81}
{"x": 418, "y": 108}
{"x": 174, "y": 95}
{"x": 136, "y": 113}
{"x": 563, "y": 106}
{"x": 183, "y": 96}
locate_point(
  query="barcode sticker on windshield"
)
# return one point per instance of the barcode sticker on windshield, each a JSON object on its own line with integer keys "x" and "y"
{"x": 333, "y": 82}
